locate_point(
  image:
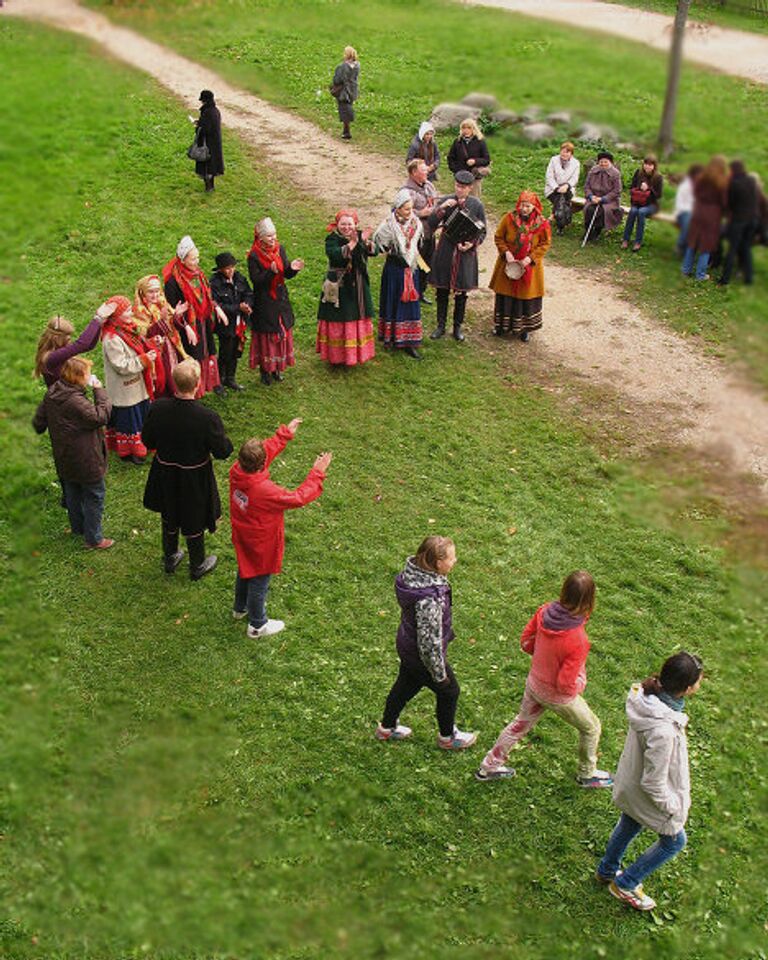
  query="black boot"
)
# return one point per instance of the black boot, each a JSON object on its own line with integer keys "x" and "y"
{"x": 266, "y": 379}
{"x": 346, "y": 135}
{"x": 442, "y": 315}
{"x": 459, "y": 309}
{"x": 172, "y": 556}
{"x": 209, "y": 184}
{"x": 231, "y": 382}
{"x": 199, "y": 564}
{"x": 412, "y": 352}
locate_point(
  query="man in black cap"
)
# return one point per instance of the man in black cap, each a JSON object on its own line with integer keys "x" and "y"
{"x": 230, "y": 290}
{"x": 454, "y": 264}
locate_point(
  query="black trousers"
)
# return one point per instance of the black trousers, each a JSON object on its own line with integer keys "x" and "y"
{"x": 228, "y": 355}
{"x": 739, "y": 235}
{"x": 195, "y": 545}
{"x": 409, "y": 681}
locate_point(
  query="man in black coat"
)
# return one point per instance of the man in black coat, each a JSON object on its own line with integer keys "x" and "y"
{"x": 181, "y": 486}
{"x": 230, "y": 290}
{"x": 209, "y": 132}
{"x": 454, "y": 264}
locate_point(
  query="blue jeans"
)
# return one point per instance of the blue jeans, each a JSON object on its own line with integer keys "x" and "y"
{"x": 654, "y": 857}
{"x": 85, "y": 506}
{"x": 683, "y": 222}
{"x": 701, "y": 264}
{"x": 251, "y": 595}
{"x": 639, "y": 214}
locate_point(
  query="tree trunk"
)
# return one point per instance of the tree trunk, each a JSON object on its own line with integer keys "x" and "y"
{"x": 666, "y": 139}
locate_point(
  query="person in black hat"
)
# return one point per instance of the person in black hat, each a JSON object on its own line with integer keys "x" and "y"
{"x": 602, "y": 189}
{"x": 209, "y": 132}
{"x": 454, "y": 264}
{"x": 232, "y": 292}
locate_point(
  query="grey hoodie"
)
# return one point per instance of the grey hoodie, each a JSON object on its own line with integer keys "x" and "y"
{"x": 652, "y": 783}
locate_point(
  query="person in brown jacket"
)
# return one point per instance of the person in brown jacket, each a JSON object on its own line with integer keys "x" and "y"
{"x": 76, "y": 427}
{"x": 523, "y": 238}
{"x": 710, "y": 198}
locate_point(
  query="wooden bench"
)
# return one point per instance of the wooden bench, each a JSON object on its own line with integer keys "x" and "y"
{"x": 578, "y": 203}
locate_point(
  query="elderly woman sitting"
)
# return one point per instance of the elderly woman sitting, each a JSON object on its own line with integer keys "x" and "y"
{"x": 602, "y": 188}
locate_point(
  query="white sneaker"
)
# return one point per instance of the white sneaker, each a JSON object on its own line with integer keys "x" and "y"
{"x": 459, "y": 740}
{"x": 269, "y": 628}
{"x": 400, "y": 732}
{"x": 239, "y": 614}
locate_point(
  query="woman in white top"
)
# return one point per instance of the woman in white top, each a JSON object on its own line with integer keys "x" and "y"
{"x": 560, "y": 182}
{"x": 684, "y": 206}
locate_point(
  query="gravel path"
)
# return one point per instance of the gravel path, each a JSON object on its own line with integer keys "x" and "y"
{"x": 661, "y": 379}
{"x": 736, "y": 52}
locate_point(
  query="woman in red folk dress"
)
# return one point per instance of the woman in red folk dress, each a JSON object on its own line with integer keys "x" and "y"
{"x": 186, "y": 282}
{"x": 272, "y": 318}
{"x": 159, "y": 322}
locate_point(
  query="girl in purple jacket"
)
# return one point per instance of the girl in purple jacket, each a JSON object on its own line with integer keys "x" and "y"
{"x": 426, "y": 629}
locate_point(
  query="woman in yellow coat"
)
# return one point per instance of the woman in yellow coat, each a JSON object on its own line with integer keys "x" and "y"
{"x": 523, "y": 238}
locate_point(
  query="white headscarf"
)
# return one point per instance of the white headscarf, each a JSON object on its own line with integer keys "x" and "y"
{"x": 266, "y": 228}
{"x": 185, "y": 247}
{"x": 425, "y": 127}
{"x": 402, "y": 196}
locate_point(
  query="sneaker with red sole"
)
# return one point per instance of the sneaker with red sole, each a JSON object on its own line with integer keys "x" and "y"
{"x": 459, "y": 740}
{"x": 399, "y": 732}
{"x": 637, "y": 898}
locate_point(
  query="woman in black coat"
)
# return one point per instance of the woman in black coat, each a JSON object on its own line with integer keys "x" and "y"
{"x": 742, "y": 213}
{"x": 469, "y": 151}
{"x": 209, "y": 132}
{"x": 272, "y": 318}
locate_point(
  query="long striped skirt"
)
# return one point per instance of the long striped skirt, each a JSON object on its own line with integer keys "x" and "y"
{"x": 516, "y": 315}
{"x": 347, "y": 343}
{"x": 399, "y": 320}
{"x": 272, "y": 352}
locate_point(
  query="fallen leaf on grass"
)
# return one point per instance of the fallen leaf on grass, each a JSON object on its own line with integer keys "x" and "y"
{"x": 511, "y": 531}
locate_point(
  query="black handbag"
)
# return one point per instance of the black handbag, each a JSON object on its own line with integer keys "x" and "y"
{"x": 199, "y": 152}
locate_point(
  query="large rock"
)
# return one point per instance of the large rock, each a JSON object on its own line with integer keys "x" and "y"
{"x": 505, "y": 118}
{"x": 484, "y": 101}
{"x": 531, "y": 114}
{"x": 538, "y": 131}
{"x": 560, "y": 116}
{"x": 447, "y": 116}
{"x": 589, "y": 131}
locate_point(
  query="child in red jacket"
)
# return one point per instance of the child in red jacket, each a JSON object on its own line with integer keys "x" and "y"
{"x": 256, "y": 508}
{"x": 557, "y": 642}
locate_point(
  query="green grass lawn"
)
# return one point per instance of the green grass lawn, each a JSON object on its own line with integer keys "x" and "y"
{"x": 422, "y": 52}
{"x": 751, "y": 15}
{"x": 172, "y": 790}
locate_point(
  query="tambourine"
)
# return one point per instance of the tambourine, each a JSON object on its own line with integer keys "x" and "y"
{"x": 514, "y": 270}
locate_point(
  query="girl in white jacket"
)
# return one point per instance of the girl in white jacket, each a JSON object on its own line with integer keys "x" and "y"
{"x": 652, "y": 785}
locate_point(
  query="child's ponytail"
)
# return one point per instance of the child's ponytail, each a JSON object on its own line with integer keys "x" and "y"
{"x": 679, "y": 672}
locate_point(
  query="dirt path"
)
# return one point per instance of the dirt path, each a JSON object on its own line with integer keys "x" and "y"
{"x": 736, "y": 52}
{"x": 692, "y": 399}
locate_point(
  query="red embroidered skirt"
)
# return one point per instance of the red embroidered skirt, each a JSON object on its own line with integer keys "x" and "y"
{"x": 347, "y": 343}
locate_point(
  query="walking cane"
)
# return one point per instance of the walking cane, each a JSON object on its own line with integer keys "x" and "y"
{"x": 589, "y": 228}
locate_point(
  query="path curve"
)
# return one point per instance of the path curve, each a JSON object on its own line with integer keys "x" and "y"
{"x": 735, "y": 52}
{"x": 694, "y": 399}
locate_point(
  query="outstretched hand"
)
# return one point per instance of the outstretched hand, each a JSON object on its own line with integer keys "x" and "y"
{"x": 105, "y": 310}
{"x": 323, "y": 462}
{"x": 293, "y": 426}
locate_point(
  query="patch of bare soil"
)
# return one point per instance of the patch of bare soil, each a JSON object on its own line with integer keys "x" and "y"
{"x": 663, "y": 385}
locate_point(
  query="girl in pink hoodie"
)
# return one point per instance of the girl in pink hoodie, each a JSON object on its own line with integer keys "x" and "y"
{"x": 557, "y": 642}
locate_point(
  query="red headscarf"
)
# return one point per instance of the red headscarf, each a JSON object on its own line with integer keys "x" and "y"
{"x": 343, "y": 213}
{"x": 266, "y": 257}
{"x": 119, "y": 325}
{"x": 527, "y": 228}
{"x": 194, "y": 288}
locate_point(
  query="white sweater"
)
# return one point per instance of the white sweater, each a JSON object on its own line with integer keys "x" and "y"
{"x": 558, "y": 175}
{"x": 123, "y": 373}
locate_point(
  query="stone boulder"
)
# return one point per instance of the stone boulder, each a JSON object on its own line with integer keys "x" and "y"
{"x": 589, "y": 131}
{"x": 531, "y": 114}
{"x": 560, "y": 116}
{"x": 448, "y": 116}
{"x": 484, "y": 101}
{"x": 505, "y": 118}
{"x": 538, "y": 131}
